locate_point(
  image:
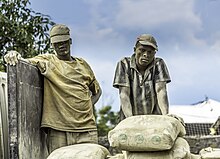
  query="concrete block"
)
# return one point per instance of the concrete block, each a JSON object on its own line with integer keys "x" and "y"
{"x": 3, "y": 116}
{"x": 25, "y": 99}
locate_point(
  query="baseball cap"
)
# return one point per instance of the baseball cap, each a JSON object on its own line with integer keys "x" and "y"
{"x": 59, "y": 32}
{"x": 147, "y": 39}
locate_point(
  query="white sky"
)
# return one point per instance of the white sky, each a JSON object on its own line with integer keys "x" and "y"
{"x": 187, "y": 32}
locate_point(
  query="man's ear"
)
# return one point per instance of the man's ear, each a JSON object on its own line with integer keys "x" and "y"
{"x": 52, "y": 45}
{"x": 134, "y": 49}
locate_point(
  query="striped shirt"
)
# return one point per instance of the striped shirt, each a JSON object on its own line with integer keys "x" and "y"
{"x": 142, "y": 87}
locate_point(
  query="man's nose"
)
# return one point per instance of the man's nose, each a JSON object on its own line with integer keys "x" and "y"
{"x": 145, "y": 54}
{"x": 61, "y": 44}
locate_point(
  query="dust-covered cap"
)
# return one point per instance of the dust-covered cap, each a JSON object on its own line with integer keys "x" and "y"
{"x": 59, "y": 33}
{"x": 147, "y": 39}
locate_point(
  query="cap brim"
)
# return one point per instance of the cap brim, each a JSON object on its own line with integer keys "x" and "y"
{"x": 148, "y": 43}
{"x": 59, "y": 38}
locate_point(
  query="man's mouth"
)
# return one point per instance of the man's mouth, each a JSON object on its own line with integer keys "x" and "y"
{"x": 144, "y": 60}
{"x": 62, "y": 49}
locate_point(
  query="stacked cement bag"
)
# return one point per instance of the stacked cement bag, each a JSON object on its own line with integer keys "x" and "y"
{"x": 210, "y": 153}
{"x": 117, "y": 156}
{"x": 176, "y": 152}
{"x": 150, "y": 136}
{"x": 80, "y": 151}
{"x": 180, "y": 150}
{"x": 146, "y": 133}
{"x": 195, "y": 156}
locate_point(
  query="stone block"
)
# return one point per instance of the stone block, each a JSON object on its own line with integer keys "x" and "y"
{"x": 3, "y": 116}
{"x": 25, "y": 99}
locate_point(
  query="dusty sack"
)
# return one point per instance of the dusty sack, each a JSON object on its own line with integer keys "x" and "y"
{"x": 117, "y": 156}
{"x": 210, "y": 153}
{"x": 179, "y": 150}
{"x": 80, "y": 151}
{"x": 194, "y": 156}
{"x": 146, "y": 133}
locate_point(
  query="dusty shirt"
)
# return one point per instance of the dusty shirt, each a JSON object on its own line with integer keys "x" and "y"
{"x": 67, "y": 104}
{"x": 142, "y": 88}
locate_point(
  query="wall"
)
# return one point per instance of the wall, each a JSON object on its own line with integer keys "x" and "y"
{"x": 25, "y": 94}
{"x": 3, "y": 116}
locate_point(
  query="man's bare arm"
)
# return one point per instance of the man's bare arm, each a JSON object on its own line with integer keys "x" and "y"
{"x": 96, "y": 97}
{"x": 162, "y": 98}
{"x": 124, "y": 93}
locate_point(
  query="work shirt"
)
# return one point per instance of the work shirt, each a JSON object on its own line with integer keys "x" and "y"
{"x": 142, "y": 87}
{"x": 68, "y": 85}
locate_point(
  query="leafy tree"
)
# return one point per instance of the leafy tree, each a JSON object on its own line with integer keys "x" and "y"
{"x": 106, "y": 120}
{"x": 23, "y": 29}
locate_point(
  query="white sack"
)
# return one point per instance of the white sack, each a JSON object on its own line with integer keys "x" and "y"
{"x": 194, "y": 156}
{"x": 146, "y": 133}
{"x": 210, "y": 153}
{"x": 80, "y": 151}
{"x": 117, "y": 156}
{"x": 180, "y": 150}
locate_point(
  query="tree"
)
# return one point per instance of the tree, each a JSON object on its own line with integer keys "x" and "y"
{"x": 106, "y": 120}
{"x": 23, "y": 29}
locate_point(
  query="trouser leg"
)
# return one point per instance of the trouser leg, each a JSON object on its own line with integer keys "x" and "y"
{"x": 88, "y": 137}
{"x": 56, "y": 139}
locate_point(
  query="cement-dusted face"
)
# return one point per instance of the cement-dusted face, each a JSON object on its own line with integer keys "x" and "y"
{"x": 144, "y": 55}
{"x": 62, "y": 48}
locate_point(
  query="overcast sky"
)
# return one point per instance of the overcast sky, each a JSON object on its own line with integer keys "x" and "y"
{"x": 187, "y": 33}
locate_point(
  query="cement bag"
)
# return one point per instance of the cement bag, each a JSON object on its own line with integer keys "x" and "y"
{"x": 146, "y": 133}
{"x": 80, "y": 151}
{"x": 117, "y": 156}
{"x": 180, "y": 150}
{"x": 210, "y": 153}
{"x": 193, "y": 156}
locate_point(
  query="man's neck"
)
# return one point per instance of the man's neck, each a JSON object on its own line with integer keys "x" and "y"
{"x": 142, "y": 69}
{"x": 65, "y": 58}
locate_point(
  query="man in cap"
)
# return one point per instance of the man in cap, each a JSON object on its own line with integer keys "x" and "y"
{"x": 141, "y": 80}
{"x": 70, "y": 92}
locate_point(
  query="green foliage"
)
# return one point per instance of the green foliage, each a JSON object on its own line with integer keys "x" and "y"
{"x": 106, "y": 120}
{"x": 23, "y": 29}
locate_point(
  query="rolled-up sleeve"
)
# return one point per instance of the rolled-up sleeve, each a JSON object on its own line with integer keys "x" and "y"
{"x": 121, "y": 77}
{"x": 161, "y": 72}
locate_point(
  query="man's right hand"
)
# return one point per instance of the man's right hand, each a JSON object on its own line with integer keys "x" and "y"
{"x": 12, "y": 57}
{"x": 212, "y": 131}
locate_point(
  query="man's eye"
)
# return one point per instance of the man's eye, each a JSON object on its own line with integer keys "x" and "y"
{"x": 142, "y": 50}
